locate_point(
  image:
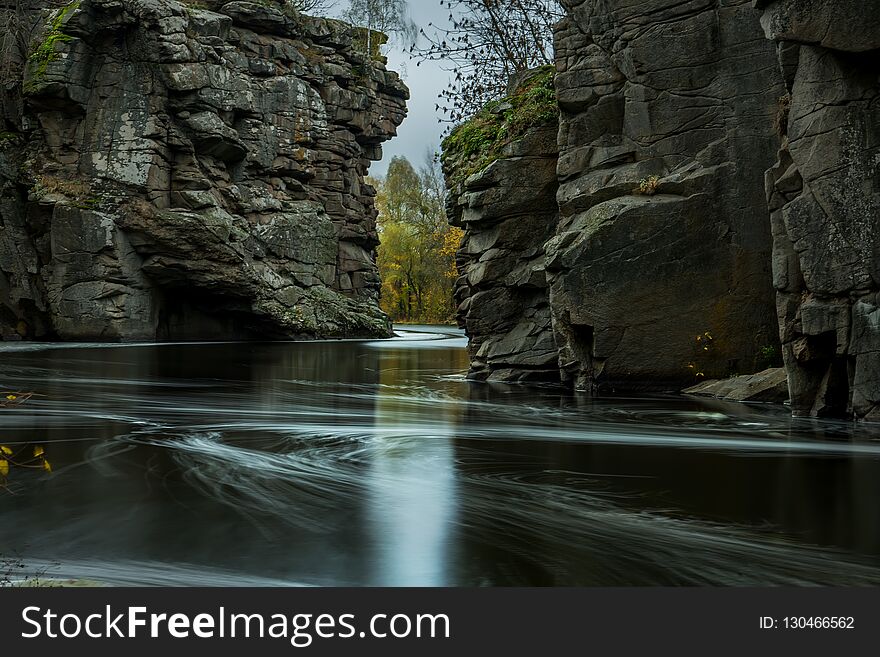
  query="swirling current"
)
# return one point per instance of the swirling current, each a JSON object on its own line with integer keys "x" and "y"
{"x": 378, "y": 463}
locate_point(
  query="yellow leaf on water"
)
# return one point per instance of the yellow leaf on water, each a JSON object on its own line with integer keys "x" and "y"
{"x": 4, "y": 468}
{"x": 38, "y": 451}
{"x": 5, "y": 450}
{"x": 11, "y": 397}
{"x": 46, "y": 466}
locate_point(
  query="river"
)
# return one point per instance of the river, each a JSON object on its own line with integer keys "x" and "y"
{"x": 377, "y": 463}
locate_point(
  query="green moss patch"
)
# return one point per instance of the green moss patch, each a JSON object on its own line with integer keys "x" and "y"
{"x": 475, "y": 144}
{"x": 46, "y": 52}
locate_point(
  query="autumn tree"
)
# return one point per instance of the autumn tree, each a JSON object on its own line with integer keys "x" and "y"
{"x": 417, "y": 255}
{"x": 485, "y": 43}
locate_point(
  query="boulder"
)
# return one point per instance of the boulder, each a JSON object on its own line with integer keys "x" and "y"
{"x": 768, "y": 386}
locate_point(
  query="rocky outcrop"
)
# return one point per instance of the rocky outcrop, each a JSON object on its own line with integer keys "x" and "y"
{"x": 508, "y": 211}
{"x": 657, "y": 270}
{"x": 660, "y": 266}
{"x": 768, "y": 386}
{"x": 824, "y": 197}
{"x": 178, "y": 172}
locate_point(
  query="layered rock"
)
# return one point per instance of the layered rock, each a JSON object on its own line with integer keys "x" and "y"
{"x": 657, "y": 270}
{"x": 177, "y": 172}
{"x": 824, "y": 196}
{"x": 660, "y": 267}
{"x": 508, "y": 210}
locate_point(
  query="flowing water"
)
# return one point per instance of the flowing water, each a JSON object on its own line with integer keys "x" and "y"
{"x": 377, "y": 463}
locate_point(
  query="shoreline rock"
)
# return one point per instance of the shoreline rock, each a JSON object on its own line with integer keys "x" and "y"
{"x": 770, "y": 386}
{"x": 181, "y": 173}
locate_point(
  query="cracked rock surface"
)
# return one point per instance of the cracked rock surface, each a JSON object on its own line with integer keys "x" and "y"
{"x": 659, "y": 231}
{"x": 508, "y": 212}
{"x": 660, "y": 267}
{"x": 824, "y": 198}
{"x": 174, "y": 172}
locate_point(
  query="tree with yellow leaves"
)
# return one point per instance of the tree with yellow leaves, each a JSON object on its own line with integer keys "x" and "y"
{"x": 417, "y": 255}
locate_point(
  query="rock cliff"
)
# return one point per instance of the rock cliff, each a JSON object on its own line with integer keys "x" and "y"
{"x": 507, "y": 208}
{"x": 672, "y": 224}
{"x": 824, "y": 196}
{"x": 660, "y": 268}
{"x": 657, "y": 266}
{"x": 177, "y": 172}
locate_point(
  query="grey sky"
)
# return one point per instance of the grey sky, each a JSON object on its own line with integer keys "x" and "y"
{"x": 421, "y": 131}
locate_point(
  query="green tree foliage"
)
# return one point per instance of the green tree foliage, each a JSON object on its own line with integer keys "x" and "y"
{"x": 417, "y": 255}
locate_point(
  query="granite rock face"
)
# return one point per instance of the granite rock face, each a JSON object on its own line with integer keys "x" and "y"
{"x": 508, "y": 212}
{"x": 653, "y": 261}
{"x": 172, "y": 172}
{"x": 660, "y": 268}
{"x": 824, "y": 198}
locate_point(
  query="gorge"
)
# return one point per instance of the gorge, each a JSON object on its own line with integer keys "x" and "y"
{"x": 691, "y": 192}
{"x": 659, "y": 253}
{"x": 199, "y": 387}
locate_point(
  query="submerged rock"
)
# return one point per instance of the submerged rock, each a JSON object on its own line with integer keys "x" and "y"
{"x": 173, "y": 172}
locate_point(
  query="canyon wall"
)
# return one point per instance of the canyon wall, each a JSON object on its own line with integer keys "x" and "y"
{"x": 708, "y": 152}
{"x": 192, "y": 172}
{"x": 824, "y": 196}
{"x": 657, "y": 269}
{"x": 508, "y": 211}
{"x": 660, "y": 268}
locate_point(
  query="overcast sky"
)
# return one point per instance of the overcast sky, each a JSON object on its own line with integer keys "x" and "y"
{"x": 421, "y": 131}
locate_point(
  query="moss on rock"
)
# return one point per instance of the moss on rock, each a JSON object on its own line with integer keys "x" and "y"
{"x": 476, "y": 143}
{"x": 46, "y": 51}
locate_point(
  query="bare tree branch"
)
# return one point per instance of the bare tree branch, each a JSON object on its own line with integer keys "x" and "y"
{"x": 486, "y": 42}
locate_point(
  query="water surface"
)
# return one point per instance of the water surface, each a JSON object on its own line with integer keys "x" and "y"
{"x": 377, "y": 463}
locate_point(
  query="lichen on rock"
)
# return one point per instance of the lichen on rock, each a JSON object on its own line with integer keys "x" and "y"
{"x": 824, "y": 199}
{"x": 193, "y": 172}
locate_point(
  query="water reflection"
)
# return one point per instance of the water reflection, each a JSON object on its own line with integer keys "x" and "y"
{"x": 411, "y": 486}
{"x": 377, "y": 463}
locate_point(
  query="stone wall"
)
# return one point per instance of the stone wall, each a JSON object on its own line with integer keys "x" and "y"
{"x": 824, "y": 196}
{"x": 178, "y": 172}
